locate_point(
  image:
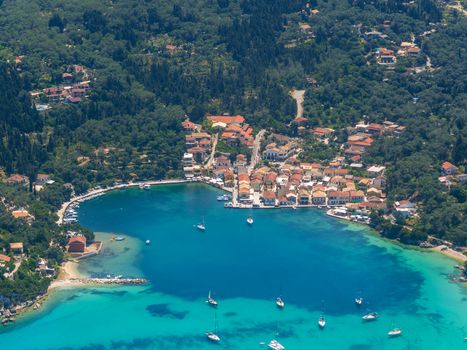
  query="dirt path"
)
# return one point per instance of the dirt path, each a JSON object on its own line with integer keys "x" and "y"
{"x": 298, "y": 96}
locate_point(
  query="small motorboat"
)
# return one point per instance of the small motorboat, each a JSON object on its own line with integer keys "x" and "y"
{"x": 250, "y": 220}
{"x": 148, "y": 242}
{"x": 213, "y": 337}
{"x": 321, "y": 322}
{"x": 359, "y": 301}
{"x": 211, "y": 301}
{"x": 280, "y": 303}
{"x": 224, "y": 198}
{"x": 370, "y": 317}
{"x": 395, "y": 332}
{"x": 275, "y": 345}
{"x": 119, "y": 238}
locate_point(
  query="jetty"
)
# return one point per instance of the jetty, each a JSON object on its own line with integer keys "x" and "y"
{"x": 109, "y": 281}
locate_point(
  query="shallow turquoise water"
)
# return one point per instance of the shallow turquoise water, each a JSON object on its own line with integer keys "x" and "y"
{"x": 316, "y": 263}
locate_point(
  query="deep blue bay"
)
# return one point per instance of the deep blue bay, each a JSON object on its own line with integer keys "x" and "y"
{"x": 318, "y": 264}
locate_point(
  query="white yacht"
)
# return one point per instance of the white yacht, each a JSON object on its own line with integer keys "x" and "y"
{"x": 359, "y": 301}
{"x": 321, "y": 322}
{"x": 280, "y": 303}
{"x": 148, "y": 242}
{"x": 395, "y": 332}
{"x": 211, "y": 301}
{"x": 250, "y": 220}
{"x": 370, "y": 317}
{"x": 275, "y": 345}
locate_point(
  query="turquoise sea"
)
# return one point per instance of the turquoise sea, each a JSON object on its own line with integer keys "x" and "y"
{"x": 316, "y": 263}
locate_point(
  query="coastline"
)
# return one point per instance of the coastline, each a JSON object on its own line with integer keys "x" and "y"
{"x": 450, "y": 253}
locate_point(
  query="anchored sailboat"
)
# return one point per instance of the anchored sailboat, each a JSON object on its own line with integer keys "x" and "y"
{"x": 212, "y": 335}
{"x": 200, "y": 226}
{"x": 211, "y": 301}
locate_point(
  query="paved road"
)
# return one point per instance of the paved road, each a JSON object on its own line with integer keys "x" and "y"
{"x": 213, "y": 151}
{"x": 255, "y": 152}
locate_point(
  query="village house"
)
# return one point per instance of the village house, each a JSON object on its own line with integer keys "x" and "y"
{"x": 17, "y": 248}
{"x": 303, "y": 196}
{"x": 338, "y": 197}
{"x": 199, "y": 154}
{"x": 17, "y": 179}
{"x": 379, "y": 182}
{"x": 386, "y": 57}
{"x": 405, "y": 208}
{"x": 222, "y": 161}
{"x": 448, "y": 168}
{"x": 76, "y": 244}
{"x": 291, "y": 198}
{"x": 269, "y": 198}
{"x": 42, "y": 179}
{"x": 357, "y": 196}
{"x": 188, "y": 126}
{"x": 376, "y": 170}
{"x": 22, "y": 214}
{"x": 4, "y": 259}
{"x": 270, "y": 179}
{"x": 240, "y": 160}
{"x": 322, "y": 133}
{"x": 279, "y": 139}
{"x": 318, "y": 198}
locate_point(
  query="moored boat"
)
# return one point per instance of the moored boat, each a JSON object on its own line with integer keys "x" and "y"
{"x": 370, "y": 317}
{"x": 275, "y": 345}
{"x": 200, "y": 226}
{"x": 280, "y": 303}
{"x": 119, "y": 238}
{"x": 148, "y": 242}
{"x": 211, "y": 301}
{"x": 359, "y": 301}
{"x": 224, "y": 198}
{"x": 249, "y": 220}
{"x": 321, "y": 322}
{"x": 395, "y": 332}
{"x": 213, "y": 337}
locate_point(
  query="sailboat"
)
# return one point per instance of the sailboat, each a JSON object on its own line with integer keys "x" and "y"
{"x": 211, "y": 301}
{"x": 200, "y": 226}
{"x": 280, "y": 303}
{"x": 250, "y": 220}
{"x": 321, "y": 322}
{"x": 212, "y": 335}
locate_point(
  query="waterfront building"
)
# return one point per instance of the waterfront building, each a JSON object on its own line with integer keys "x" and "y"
{"x": 269, "y": 198}
{"x": 77, "y": 244}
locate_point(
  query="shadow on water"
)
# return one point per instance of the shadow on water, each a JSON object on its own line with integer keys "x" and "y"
{"x": 163, "y": 310}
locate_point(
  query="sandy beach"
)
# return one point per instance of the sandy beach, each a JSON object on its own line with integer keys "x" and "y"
{"x": 68, "y": 276}
{"x": 451, "y": 253}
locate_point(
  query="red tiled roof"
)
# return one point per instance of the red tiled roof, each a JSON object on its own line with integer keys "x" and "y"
{"x": 5, "y": 258}
{"x": 81, "y": 239}
{"x": 447, "y": 165}
{"x": 269, "y": 195}
{"x": 226, "y": 119}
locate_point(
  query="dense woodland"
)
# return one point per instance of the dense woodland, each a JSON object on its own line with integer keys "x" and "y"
{"x": 155, "y": 62}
